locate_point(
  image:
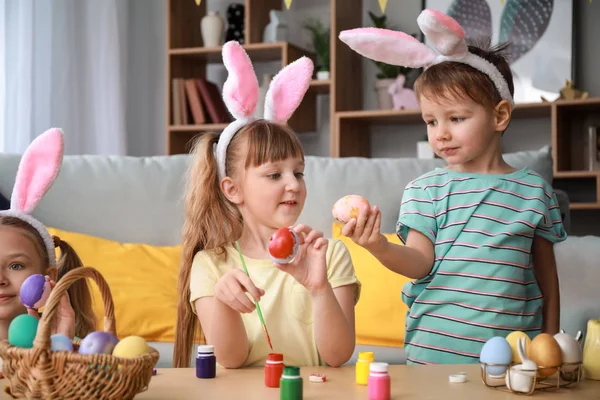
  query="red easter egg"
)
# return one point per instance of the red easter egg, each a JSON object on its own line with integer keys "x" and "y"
{"x": 281, "y": 244}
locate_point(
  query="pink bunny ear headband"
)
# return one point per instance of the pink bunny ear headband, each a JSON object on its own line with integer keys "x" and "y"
{"x": 37, "y": 171}
{"x": 398, "y": 48}
{"x": 240, "y": 93}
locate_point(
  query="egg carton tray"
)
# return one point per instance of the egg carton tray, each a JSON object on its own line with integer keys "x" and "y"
{"x": 568, "y": 375}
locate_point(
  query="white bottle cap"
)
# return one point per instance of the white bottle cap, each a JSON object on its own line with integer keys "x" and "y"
{"x": 378, "y": 367}
{"x": 206, "y": 348}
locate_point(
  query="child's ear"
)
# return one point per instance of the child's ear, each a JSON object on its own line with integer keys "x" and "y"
{"x": 52, "y": 272}
{"x": 231, "y": 190}
{"x": 503, "y": 113}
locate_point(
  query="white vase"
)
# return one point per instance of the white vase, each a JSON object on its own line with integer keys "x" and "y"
{"x": 424, "y": 150}
{"x": 322, "y": 75}
{"x": 212, "y": 27}
{"x": 384, "y": 99}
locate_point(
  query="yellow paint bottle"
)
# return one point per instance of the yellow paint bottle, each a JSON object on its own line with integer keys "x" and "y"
{"x": 365, "y": 358}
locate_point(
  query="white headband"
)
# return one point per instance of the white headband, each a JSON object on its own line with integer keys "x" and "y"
{"x": 37, "y": 171}
{"x": 398, "y": 48}
{"x": 240, "y": 93}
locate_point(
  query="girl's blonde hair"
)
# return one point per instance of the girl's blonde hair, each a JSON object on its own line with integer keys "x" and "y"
{"x": 79, "y": 292}
{"x": 211, "y": 221}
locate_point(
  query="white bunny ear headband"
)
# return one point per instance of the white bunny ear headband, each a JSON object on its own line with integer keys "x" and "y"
{"x": 240, "y": 93}
{"x": 398, "y": 48}
{"x": 37, "y": 171}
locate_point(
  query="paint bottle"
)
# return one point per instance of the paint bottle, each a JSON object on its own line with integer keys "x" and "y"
{"x": 206, "y": 362}
{"x": 365, "y": 358}
{"x": 273, "y": 369}
{"x": 291, "y": 384}
{"x": 379, "y": 382}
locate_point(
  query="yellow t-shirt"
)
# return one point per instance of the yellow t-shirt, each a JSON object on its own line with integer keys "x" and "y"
{"x": 286, "y": 305}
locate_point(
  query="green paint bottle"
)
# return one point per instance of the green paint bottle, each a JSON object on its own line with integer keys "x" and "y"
{"x": 290, "y": 384}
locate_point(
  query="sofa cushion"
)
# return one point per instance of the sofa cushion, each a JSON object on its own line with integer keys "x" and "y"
{"x": 380, "y": 299}
{"x": 142, "y": 281}
{"x": 382, "y": 182}
{"x": 140, "y": 200}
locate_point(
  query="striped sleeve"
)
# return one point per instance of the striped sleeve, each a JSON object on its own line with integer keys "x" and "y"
{"x": 416, "y": 212}
{"x": 551, "y": 227}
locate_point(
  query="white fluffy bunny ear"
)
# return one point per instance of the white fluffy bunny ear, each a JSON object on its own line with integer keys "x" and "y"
{"x": 446, "y": 34}
{"x": 240, "y": 90}
{"x": 287, "y": 89}
{"x": 390, "y": 47}
{"x": 37, "y": 171}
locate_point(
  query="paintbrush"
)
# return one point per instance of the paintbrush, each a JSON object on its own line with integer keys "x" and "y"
{"x": 262, "y": 321}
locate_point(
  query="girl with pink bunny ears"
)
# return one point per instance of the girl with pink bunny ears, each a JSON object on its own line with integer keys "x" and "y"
{"x": 478, "y": 234}
{"x": 243, "y": 186}
{"x": 27, "y": 248}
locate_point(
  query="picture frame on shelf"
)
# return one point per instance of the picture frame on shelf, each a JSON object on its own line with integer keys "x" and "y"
{"x": 540, "y": 61}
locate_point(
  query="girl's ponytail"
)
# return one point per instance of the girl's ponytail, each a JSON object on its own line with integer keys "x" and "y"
{"x": 79, "y": 292}
{"x": 210, "y": 223}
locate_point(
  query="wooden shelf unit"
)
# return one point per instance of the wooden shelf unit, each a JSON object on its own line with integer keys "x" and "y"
{"x": 188, "y": 58}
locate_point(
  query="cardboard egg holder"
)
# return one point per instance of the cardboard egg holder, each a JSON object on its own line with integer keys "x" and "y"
{"x": 568, "y": 375}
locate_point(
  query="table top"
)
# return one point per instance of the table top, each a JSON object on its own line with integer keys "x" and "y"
{"x": 408, "y": 382}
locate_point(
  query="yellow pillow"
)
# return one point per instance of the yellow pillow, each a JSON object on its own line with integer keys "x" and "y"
{"x": 142, "y": 281}
{"x": 380, "y": 312}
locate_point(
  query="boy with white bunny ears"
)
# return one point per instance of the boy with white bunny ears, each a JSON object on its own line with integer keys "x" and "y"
{"x": 244, "y": 185}
{"x": 478, "y": 235}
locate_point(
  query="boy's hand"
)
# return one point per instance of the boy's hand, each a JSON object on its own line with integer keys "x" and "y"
{"x": 231, "y": 290}
{"x": 365, "y": 230}
{"x": 309, "y": 267}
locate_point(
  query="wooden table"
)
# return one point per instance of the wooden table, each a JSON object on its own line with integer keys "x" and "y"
{"x": 408, "y": 382}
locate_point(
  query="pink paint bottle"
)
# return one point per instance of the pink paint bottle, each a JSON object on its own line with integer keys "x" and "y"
{"x": 379, "y": 385}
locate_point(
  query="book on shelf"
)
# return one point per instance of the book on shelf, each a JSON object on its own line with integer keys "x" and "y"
{"x": 197, "y": 101}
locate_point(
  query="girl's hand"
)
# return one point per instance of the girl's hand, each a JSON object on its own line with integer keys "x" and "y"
{"x": 309, "y": 267}
{"x": 366, "y": 230}
{"x": 64, "y": 321}
{"x": 231, "y": 290}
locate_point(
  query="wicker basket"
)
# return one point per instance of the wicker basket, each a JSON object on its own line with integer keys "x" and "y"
{"x": 42, "y": 374}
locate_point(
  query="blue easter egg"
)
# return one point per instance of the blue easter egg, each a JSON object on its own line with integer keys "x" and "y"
{"x": 60, "y": 342}
{"x": 22, "y": 331}
{"x": 496, "y": 351}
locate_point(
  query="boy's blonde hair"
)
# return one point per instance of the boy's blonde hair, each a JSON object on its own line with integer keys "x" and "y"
{"x": 211, "y": 221}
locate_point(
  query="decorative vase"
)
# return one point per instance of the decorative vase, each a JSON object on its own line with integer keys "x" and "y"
{"x": 212, "y": 27}
{"x": 424, "y": 150}
{"x": 322, "y": 75}
{"x": 276, "y": 30}
{"x": 235, "y": 23}
{"x": 591, "y": 350}
{"x": 383, "y": 97}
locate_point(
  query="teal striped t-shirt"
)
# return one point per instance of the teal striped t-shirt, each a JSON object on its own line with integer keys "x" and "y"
{"x": 482, "y": 282}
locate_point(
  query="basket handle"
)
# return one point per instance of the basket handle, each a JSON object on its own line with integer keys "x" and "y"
{"x": 42, "y": 337}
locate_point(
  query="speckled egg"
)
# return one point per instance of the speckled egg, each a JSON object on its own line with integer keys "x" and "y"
{"x": 349, "y": 207}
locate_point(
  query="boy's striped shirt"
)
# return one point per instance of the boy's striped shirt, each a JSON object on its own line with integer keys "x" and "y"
{"x": 482, "y": 282}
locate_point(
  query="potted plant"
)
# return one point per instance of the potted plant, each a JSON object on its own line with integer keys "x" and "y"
{"x": 387, "y": 73}
{"x": 320, "y": 41}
